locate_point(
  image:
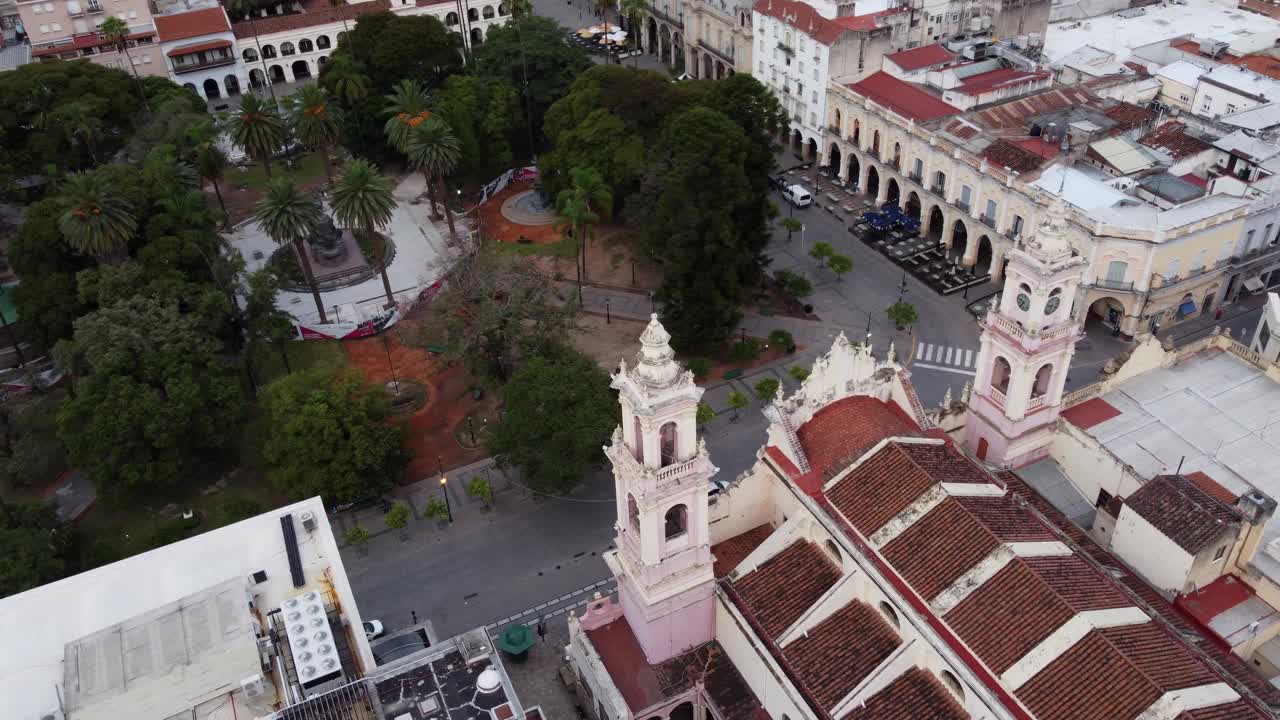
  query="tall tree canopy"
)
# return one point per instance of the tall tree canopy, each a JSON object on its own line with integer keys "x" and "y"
{"x": 159, "y": 399}
{"x": 487, "y": 117}
{"x": 559, "y": 413}
{"x": 704, "y": 224}
{"x": 328, "y": 435}
{"x": 36, "y": 546}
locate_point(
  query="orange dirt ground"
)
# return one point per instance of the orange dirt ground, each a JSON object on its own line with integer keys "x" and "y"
{"x": 429, "y": 429}
{"x": 494, "y": 224}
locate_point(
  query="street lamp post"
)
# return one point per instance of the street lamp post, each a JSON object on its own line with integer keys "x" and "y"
{"x": 606, "y": 311}
{"x": 386, "y": 346}
{"x": 444, "y": 490}
{"x": 471, "y": 429}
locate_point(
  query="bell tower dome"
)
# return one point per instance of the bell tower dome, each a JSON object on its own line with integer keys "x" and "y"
{"x": 661, "y": 475}
{"x": 1027, "y": 343}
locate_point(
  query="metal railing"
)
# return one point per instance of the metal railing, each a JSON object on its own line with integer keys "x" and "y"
{"x": 961, "y": 204}
{"x": 1126, "y": 285}
{"x": 726, "y": 55}
{"x": 939, "y": 190}
{"x": 662, "y": 15}
{"x": 988, "y": 221}
{"x": 204, "y": 64}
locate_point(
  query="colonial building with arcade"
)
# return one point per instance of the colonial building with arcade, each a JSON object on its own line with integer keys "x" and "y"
{"x": 883, "y": 560}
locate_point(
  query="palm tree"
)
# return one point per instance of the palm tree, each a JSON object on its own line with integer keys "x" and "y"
{"x": 348, "y": 82}
{"x": 435, "y": 151}
{"x": 40, "y": 106}
{"x": 581, "y": 206}
{"x": 81, "y": 124}
{"x": 96, "y": 222}
{"x": 290, "y": 216}
{"x": 247, "y": 8}
{"x": 408, "y": 107}
{"x": 346, "y": 32}
{"x": 520, "y": 9}
{"x": 633, "y": 11}
{"x": 211, "y": 161}
{"x": 315, "y": 122}
{"x": 116, "y": 31}
{"x": 363, "y": 200}
{"x": 257, "y": 128}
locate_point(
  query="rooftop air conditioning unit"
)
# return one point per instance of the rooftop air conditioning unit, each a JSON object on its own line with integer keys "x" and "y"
{"x": 308, "y": 521}
{"x": 310, "y": 641}
{"x": 1213, "y": 48}
{"x": 254, "y": 686}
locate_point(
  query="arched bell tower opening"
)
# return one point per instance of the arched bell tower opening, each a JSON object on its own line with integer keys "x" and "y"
{"x": 1028, "y": 339}
{"x": 661, "y": 474}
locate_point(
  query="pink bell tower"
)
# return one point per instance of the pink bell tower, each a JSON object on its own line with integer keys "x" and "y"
{"x": 1027, "y": 344}
{"x": 661, "y": 471}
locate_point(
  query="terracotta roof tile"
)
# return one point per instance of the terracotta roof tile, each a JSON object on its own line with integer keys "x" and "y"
{"x": 1003, "y": 153}
{"x": 802, "y": 17}
{"x": 903, "y": 98}
{"x": 310, "y": 18}
{"x": 914, "y": 695}
{"x": 1128, "y": 116}
{"x": 194, "y": 23}
{"x": 1212, "y": 488}
{"x": 869, "y": 21}
{"x": 1008, "y": 615}
{"x": 841, "y": 432}
{"x": 1015, "y": 113}
{"x": 939, "y": 548}
{"x": 709, "y": 666}
{"x": 730, "y": 553}
{"x": 624, "y": 659}
{"x": 839, "y": 652}
{"x": 1078, "y": 583}
{"x": 1090, "y": 412}
{"x": 199, "y": 47}
{"x": 1173, "y": 139}
{"x": 783, "y": 587}
{"x": 1159, "y": 656}
{"x": 921, "y": 57}
{"x": 1004, "y": 518}
{"x": 1182, "y": 511}
{"x": 1090, "y": 681}
{"x": 999, "y": 79}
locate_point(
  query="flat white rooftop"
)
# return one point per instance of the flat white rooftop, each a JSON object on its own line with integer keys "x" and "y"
{"x": 1211, "y": 412}
{"x": 38, "y": 625}
{"x": 1245, "y": 31}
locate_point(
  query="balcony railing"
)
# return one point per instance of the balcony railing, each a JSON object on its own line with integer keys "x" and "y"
{"x": 939, "y": 190}
{"x": 988, "y": 221}
{"x": 94, "y": 7}
{"x": 204, "y": 64}
{"x": 785, "y": 48}
{"x": 998, "y": 396}
{"x": 1037, "y": 401}
{"x": 726, "y": 55}
{"x": 962, "y": 204}
{"x": 661, "y": 14}
{"x": 1125, "y": 285}
{"x": 914, "y": 176}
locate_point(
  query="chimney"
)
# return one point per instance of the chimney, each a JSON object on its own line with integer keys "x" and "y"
{"x": 1257, "y": 508}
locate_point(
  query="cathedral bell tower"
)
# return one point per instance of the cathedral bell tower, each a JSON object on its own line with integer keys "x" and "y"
{"x": 661, "y": 475}
{"x": 1027, "y": 344}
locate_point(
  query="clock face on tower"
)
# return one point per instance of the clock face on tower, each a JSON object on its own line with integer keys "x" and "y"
{"x": 1024, "y": 302}
{"x": 1051, "y": 306}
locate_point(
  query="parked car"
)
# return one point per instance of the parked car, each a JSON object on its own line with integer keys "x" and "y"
{"x": 798, "y": 196}
{"x": 373, "y": 629}
{"x": 778, "y": 182}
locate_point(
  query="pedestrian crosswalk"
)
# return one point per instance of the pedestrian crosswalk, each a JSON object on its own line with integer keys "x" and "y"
{"x": 948, "y": 358}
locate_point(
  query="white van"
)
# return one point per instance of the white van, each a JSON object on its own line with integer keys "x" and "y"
{"x": 798, "y": 196}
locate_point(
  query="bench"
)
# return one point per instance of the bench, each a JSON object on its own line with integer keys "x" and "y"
{"x": 437, "y": 349}
{"x": 733, "y": 374}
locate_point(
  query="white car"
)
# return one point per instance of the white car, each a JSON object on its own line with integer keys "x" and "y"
{"x": 798, "y": 196}
{"x": 372, "y": 629}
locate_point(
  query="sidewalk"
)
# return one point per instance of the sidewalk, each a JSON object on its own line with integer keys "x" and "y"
{"x": 1235, "y": 317}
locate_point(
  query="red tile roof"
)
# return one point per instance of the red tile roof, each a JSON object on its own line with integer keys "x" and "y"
{"x": 1214, "y": 599}
{"x": 623, "y": 657}
{"x": 869, "y": 21}
{"x": 961, "y": 129}
{"x": 802, "y": 17}
{"x": 836, "y": 655}
{"x": 1182, "y": 511}
{"x": 783, "y": 587}
{"x": 999, "y": 79}
{"x": 841, "y": 432}
{"x": 321, "y": 15}
{"x": 921, "y": 57}
{"x": 730, "y": 553}
{"x": 1078, "y": 583}
{"x": 1128, "y": 116}
{"x": 1238, "y": 710}
{"x": 939, "y": 547}
{"x": 1094, "y": 411}
{"x": 1015, "y": 113}
{"x": 1008, "y": 615}
{"x": 1159, "y": 656}
{"x": 710, "y": 667}
{"x": 199, "y": 47}
{"x": 902, "y": 97}
{"x": 83, "y": 42}
{"x": 1173, "y": 139}
{"x": 194, "y": 23}
{"x": 1004, "y": 153}
{"x": 1212, "y": 488}
{"x": 914, "y": 695}
{"x": 1090, "y": 681}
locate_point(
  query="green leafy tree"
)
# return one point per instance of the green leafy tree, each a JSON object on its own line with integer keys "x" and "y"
{"x": 767, "y": 388}
{"x": 36, "y": 546}
{"x": 345, "y": 78}
{"x": 257, "y": 129}
{"x": 702, "y": 216}
{"x": 210, "y": 161}
{"x": 397, "y": 518}
{"x": 705, "y": 414}
{"x": 486, "y": 116}
{"x": 781, "y": 338}
{"x": 581, "y": 207}
{"x": 316, "y": 122}
{"x": 480, "y": 489}
{"x": 634, "y": 11}
{"x": 821, "y": 251}
{"x": 364, "y": 199}
{"x": 839, "y": 264}
{"x": 794, "y": 285}
{"x": 903, "y": 314}
{"x": 699, "y": 366}
{"x": 328, "y": 435}
{"x": 408, "y": 107}
{"x": 80, "y": 121}
{"x": 96, "y": 221}
{"x": 520, "y": 9}
{"x": 357, "y": 537}
{"x": 436, "y": 508}
{"x": 738, "y": 401}
{"x": 159, "y": 400}
{"x": 434, "y": 150}
{"x": 559, "y": 413}
{"x": 791, "y": 225}
{"x": 35, "y": 455}
{"x": 289, "y": 216}
{"x": 798, "y": 373}
{"x": 266, "y": 324}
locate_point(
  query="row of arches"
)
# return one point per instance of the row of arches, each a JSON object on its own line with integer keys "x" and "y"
{"x": 230, "y": 86}
{"x": 675, "y": 522}
{"x": 665, "y": 42}
{"x": 476, "y": 14}
{"x": 287, "y": 48}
